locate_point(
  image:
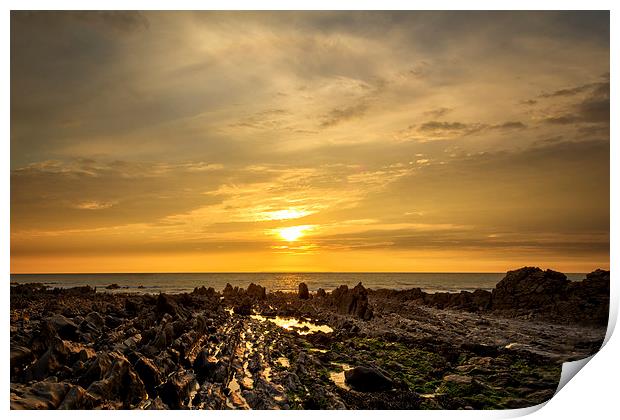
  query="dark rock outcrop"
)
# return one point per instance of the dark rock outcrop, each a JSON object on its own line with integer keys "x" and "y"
{"x": 256, "y": 291}
{"x": 303, "y": 291}
{"x": 529, "y": 287}
{"x": 175, "y": 393}
{"x": 367, "y": 379}
{"x": 352, "y": 301}
{"x": 165, "y": 304}
{"x": 244, "y": 307}
{"x": 64, "y": 326}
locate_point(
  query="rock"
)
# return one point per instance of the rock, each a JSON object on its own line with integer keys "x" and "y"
{"x": 175, "y": 393}
{"x": 303, "y": 291}
{"x": 244, "y": 307}
{"x": 205, "y": 365}
{"x": 41, "y": 395}
{"x": 149, "y": 373}
{"x": 113, "y": 286}
{"x": 587, "y": 301}
{"x": 20, "y": 356}
{"x": 367, "y": 379}
{"x": 352, "y": 302}
{"x": 320, "y": 293}
{"x": 64, "y": 326}
{"x": 203, "y": 291}
{"x": 120, "y": 383}
{"x": 154, "y": 404}
{"x": 458, "y": 379}
{"x": 528, "y": 287}
{"x": 228, "y": 292}
{"x": 58, "y": 357}
{"x": 78, "y": 399}
{"x": 95, "y": 319}
{"x": 256, "y": 291}
{"x": 165, "y": 304}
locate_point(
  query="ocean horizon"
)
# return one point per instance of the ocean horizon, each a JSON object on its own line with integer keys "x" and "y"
{"x": 274, "y": 281}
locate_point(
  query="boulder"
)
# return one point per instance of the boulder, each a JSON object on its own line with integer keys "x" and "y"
{"x": 40, "y": 396}
{"x": 20, "y": 356}
{"x": 367, "y": 379}
{"x": 64, "y": 326}
{"x": 120, "y": 383}
{"x": 256, "y": 291}
{"x": 177, "y": 390}
{"x": 77, "y": 398}
{"x": 149, "y": 373}
{"x": 303, "y": 291}
{"x": 229, "y": 292}
{"x": 352, "y": 301}
{"x": 166, "y": 304}
{"x": 528, "y": 288}
{"x": 244, "y": 307}
{"x": 205, "y": 364}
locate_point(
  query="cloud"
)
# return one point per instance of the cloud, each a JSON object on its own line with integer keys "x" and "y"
{"x": 594, "y": 108}
{"x": 571, "y": 91}
{"x": 94, "y": 205}
{"x": 439, "y": 112}
{"x": 84, "y": 193}
{"x": 508, "y": 125}
{"x": 338, "y": 115}
{"x": 443, "y": 129}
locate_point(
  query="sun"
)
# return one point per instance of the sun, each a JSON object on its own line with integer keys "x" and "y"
{"x": 292, "y": 233}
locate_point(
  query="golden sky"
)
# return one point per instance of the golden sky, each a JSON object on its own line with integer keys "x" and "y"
{"x": 309, "y": 141}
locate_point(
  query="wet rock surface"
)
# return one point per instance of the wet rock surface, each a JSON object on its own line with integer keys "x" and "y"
{"x": 346, "y": 349}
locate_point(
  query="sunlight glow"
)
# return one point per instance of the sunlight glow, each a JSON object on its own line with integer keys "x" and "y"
{"x": 292, "y": 233}
{"x": 286, "y": 214}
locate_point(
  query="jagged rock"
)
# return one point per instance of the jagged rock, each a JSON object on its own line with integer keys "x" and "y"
{"x": 165, "y": 304}
{"x": 113, "y": 286}
{"x": 352, "y": 301}
{"x": 59, "y": 356}
{"x": 120, "y": 383}
{"x": 303, "y": 291}
{"x": 95, "y": 319}
{"x": 203, "y": 291}
{"x": 41, "y": 395}
{"x": 256, "y": 291}
{"x": 320, "y": 293}
{"x": 244, "y": 307}
{"x": 528, "y": 287}
{"x": 64, "y": 326}
{"x": 154, "y": 404}
{"x": 367, "y": 379}
{"x": 587, "y": 301}
{"x": 205, "y": 364}
{"x": 77, "y": 398}
{"x": 175, "y": 393}
{"x": 20, "y": 356}
{"x": 149, "y": 373}
{"x": 97, "y": 369}
{"x": 228, "y": 292}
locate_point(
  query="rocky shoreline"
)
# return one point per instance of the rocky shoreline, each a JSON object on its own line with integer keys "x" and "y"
{"x": 351, "y": 348}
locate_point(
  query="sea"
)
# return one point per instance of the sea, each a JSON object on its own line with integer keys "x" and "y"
{"x": 186, "y": 282}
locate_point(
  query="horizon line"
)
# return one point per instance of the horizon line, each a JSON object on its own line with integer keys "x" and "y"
{"x": 289, "y": 272}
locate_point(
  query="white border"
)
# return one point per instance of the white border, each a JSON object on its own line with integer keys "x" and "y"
{"x": 593, "y": 394}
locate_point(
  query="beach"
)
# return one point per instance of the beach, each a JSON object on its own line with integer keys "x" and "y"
{"x": 346, "y": 348}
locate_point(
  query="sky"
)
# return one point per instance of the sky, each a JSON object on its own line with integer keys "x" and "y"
{"x": 309, "y": 141}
